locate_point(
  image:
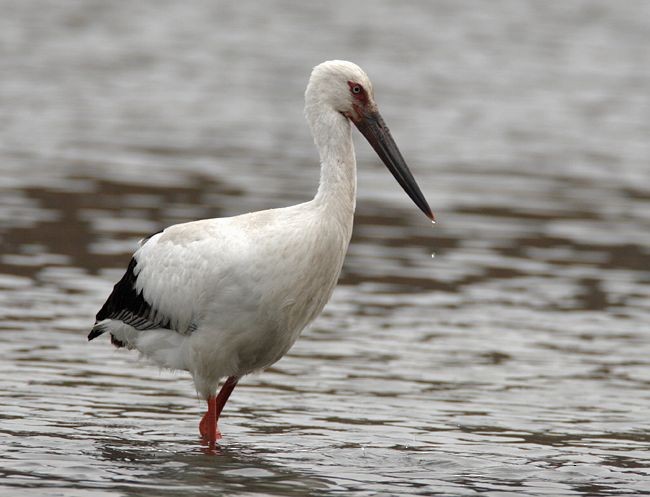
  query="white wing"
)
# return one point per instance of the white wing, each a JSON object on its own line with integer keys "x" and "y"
{"x": 172, "y": 273}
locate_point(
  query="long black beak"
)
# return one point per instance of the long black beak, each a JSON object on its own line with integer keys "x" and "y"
{"x": 372, "y": 126}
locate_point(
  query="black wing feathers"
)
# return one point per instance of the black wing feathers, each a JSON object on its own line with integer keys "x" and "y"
{"x": 129, "y": 306}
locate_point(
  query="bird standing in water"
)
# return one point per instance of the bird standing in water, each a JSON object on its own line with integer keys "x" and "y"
{"x": 222, "y": 298}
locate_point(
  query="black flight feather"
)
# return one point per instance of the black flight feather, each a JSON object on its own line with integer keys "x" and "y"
{"x": 129, "y": 306}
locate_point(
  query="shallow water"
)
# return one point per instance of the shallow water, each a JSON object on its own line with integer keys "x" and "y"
{"x": 514, "y": 362}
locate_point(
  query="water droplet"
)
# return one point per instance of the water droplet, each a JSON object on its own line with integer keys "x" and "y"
{"x": 433, "y": 222}
{"x": 433, "y": 254}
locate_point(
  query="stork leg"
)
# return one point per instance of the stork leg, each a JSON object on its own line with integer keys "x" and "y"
{"x": 208, "y": 425}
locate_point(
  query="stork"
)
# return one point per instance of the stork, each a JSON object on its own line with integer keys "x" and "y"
{"x": 222, "y": 298}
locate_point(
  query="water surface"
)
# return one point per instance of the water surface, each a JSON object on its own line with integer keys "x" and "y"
{"x": 514, "y": 362}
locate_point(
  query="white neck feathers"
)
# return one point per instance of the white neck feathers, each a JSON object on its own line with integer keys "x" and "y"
{"x": 333, "y": 137}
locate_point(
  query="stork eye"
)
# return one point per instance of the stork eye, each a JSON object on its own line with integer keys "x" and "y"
{"x": 358, "y": 91}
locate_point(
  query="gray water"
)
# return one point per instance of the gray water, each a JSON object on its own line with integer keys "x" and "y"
{"x": 514, "y": 362}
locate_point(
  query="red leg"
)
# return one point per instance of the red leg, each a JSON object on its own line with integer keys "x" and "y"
{"x": 224, "y": 393}
{"x": 208, "y": 425}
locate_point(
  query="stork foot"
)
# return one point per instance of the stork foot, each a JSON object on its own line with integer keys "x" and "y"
{"x": 208, "y": 424}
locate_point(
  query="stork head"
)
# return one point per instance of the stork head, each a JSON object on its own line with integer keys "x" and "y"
{"x": 344, "y": 87}
{"x": 341, "y": 85}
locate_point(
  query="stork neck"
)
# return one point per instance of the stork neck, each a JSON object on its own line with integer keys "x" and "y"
{"x": 338, "y": 175}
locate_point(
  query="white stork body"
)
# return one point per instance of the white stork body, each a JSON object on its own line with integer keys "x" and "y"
{"x": 225, "y": 297}
{"x": 242, "y": 289}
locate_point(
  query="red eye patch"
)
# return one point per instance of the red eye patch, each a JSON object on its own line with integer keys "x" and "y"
{"x": 358, "y": 92}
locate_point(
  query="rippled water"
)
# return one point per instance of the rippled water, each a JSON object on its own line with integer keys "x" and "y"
{"x": 514, "y": 362}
